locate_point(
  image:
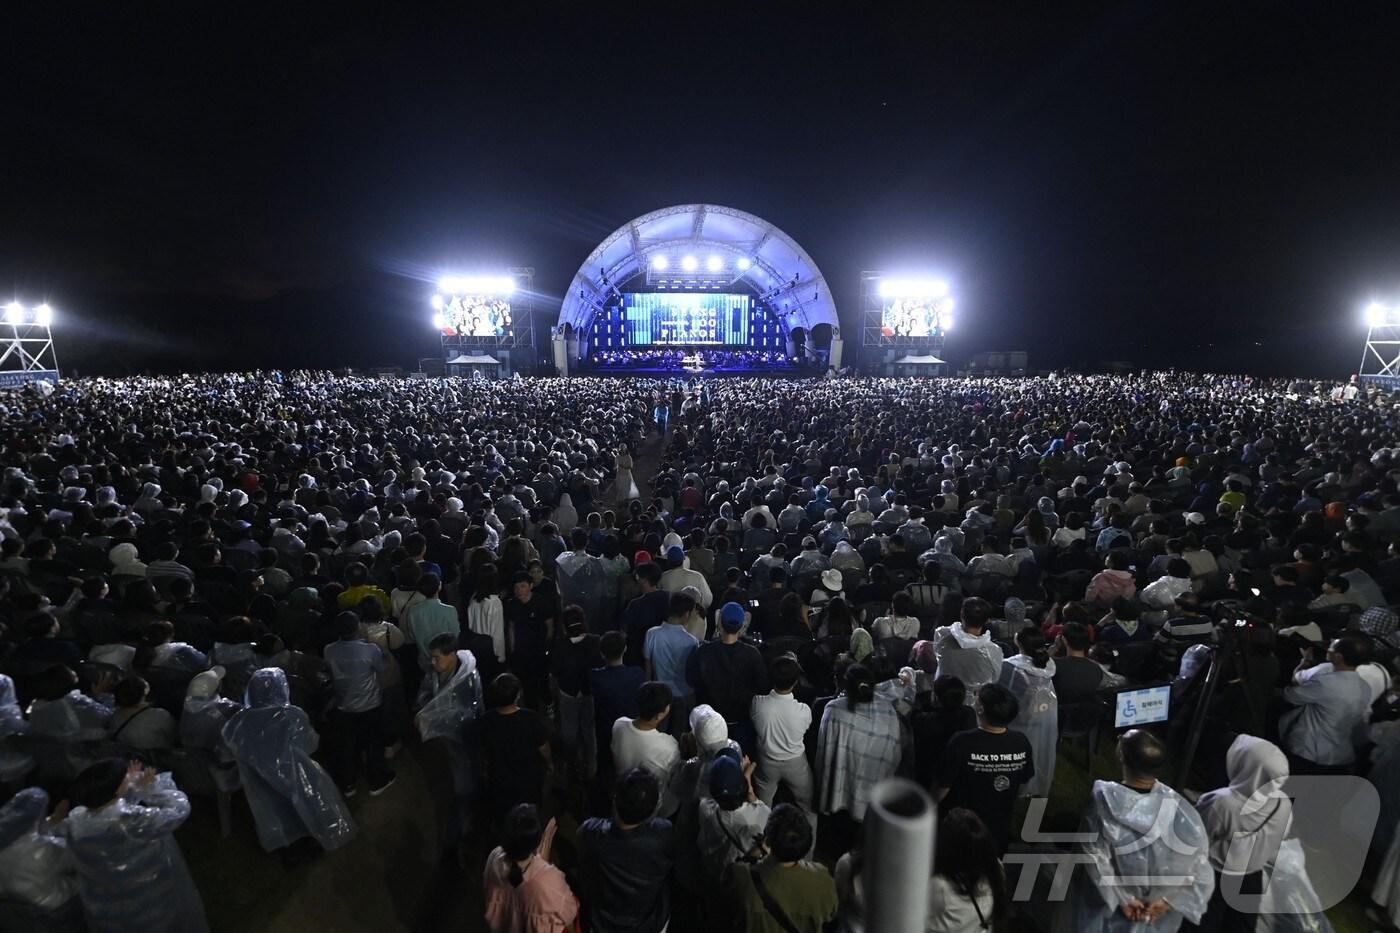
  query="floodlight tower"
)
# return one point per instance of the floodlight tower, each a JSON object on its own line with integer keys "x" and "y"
{"x": 1380, "y": 361}
{"x": 26, "y": 345}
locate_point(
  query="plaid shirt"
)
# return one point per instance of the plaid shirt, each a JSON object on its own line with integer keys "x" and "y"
{"x": 856, "y": 749}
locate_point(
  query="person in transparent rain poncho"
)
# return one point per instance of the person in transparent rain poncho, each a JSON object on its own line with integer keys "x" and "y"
{"x": 291, "y": 796}
{"x": 36, "y": 868}
{"x": 15, "y": 761}
{"x": 1029, "y": 675}
{"x": 1249, "y": 822}
{"x": 131, "y": 875}
{"x": 1143, "y": 864}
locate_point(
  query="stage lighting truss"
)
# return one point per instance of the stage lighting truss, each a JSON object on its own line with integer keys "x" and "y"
{"x": 26, "y": 344}
{"x": 1380, "y": 360}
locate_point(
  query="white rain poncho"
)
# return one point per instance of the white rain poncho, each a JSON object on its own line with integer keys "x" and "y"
{"x": 1037, "y": 718}
{"x": 35, "y": 866}
{"x": 447, "y": 707}
{"x": 1146, "y": 846}
{"x": 582, "y": 580}
{"x": 15, "y": 762}
{"x": 291, "y": 796}
{"x": 131, "y": 875}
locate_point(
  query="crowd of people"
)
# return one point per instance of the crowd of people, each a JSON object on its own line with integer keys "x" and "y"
{"x": 262, "y": 590}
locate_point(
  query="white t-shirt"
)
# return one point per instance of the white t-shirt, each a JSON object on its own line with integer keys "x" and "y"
{"x": 781, "y": 721}
{"x": 896, "y": 627}
{"x": 1373, "y": 674}
{"x": 651, "y": 749}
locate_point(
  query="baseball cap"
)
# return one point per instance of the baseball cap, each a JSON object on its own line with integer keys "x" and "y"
{"x": 731, "y": 617}
{"x": 675, "y": 553}
{"x": 727, "y": 778}
{"x": 809, "y": 542}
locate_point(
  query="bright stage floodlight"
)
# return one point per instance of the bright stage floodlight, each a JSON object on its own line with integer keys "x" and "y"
{"x": 476, "y": 285}
{"x": 1378, "y": 315}
{"x": 690, "y": 263}
{"x": 43, "y": 315}
{"x": 714, "y": 263}
{"x": 439, "y": 321}
{"x": 744, "y": 263}
{"x": 660, "y": 263}
{"x": 14, "y": 311}
{"x": 437, "y": 302}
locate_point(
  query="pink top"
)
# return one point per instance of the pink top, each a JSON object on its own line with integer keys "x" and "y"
{"x": 542, "y": 904}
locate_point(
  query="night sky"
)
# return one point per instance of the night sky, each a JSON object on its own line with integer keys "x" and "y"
{"x": 1214, "y": 187}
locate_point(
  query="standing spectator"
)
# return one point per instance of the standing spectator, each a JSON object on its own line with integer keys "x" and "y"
{"x": 529, "y": 633}
{"x": 727, "y": 674}
{"x": 625, "y": 862}
{"x": 934, "y": 724}
{"x": 1029, "y": 675}
{"x": 645, "y": 611}
{"x": 449, "y": 704}
{"x": 731, "y": 818}
{"x": 485, "y": 615}
{"x": 517, "y": 752}
{"x": 667, "y": 650}
{"x": 781, "y": 722}
{"x": 638, "y": 742}
{"x": 858, "y": 746}
{"x": 569, "y": 664}
{"x": 967, "y": 893}
{"x": 1247, "y": 822}
{"x": 524, "y": 892}
{"x": 1077, "y": 677}
{"x": 425, "y": 620}
{"x": 783, "y": 893}
{"x": 614, "y": 690}
{"x": 291, "y": 796}
{"x": 1148, "y": 846}
{"x": 983, "y": 769}
{"x": 965, "y": 649}
{"x": 121, "y": 832}
{"x": 356, "y": 666}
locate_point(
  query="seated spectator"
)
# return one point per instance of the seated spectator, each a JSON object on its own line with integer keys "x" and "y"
{"x": 121, "y": 835}
{"x": 136, "y": 722}
{"x": 1114, "y": 582}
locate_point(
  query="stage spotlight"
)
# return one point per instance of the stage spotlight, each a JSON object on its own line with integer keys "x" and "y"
{"x": 437, "y": 302}
{"x": 744, "y": 263}
{"x": 660, "y": 263}
{"x": 714, "y": 263}
{"x": 439, "y": 321}
{"x": 43, "y": 315}
{"x": 13, "y": 311}
{"x": 1377, "y": 315}
{"x": 690, "y": 263}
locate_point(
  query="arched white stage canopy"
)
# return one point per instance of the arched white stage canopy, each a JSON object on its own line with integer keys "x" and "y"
{"x": 753, "y": 251}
